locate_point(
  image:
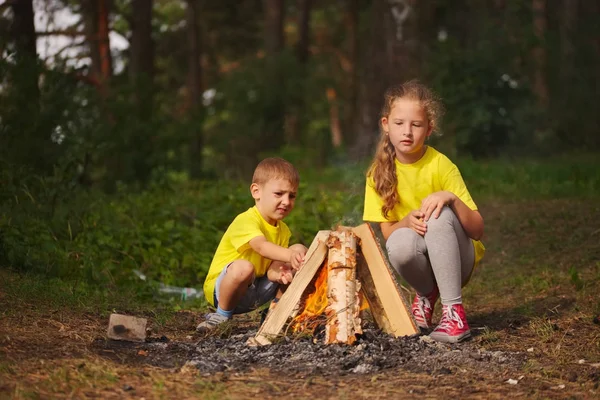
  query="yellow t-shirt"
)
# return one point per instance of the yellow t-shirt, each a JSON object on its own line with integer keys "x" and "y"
{"x": 235, "y": 245}
{"x": 432, "y": 173}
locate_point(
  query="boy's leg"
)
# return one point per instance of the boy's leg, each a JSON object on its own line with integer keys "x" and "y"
{"x": 231, "y": 286}
{"x": 260, "y": 292}
{"x": 238, "y": 277}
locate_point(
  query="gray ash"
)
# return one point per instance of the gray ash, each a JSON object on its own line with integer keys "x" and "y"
{"x": 373, "y": 352}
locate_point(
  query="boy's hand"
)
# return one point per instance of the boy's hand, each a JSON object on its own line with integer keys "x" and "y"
{"x": 414, "y": 221}
{"x": 286, "y": 274}
{"x": 297, "y": 258}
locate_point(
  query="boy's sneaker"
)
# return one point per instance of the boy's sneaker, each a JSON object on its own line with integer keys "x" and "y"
{"x": 212, "y": 321}
{"x": 422, "y": 308}
{"x": 453, "y": 327}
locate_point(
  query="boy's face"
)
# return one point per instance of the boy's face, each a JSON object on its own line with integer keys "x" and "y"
{"x": 275, "y": 199}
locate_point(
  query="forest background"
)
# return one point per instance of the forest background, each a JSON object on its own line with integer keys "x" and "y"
{"x": 138, "y": 156}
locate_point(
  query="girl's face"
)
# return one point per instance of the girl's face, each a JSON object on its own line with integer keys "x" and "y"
{"x": 407, "y": 127}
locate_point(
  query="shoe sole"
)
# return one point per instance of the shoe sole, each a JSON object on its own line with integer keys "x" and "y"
{"x": 442, "y": 337}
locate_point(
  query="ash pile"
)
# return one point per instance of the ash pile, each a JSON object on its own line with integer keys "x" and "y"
{"x": 373, "y": 352}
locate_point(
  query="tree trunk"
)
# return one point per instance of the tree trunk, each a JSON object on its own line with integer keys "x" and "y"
{"x": 274, "y": 110}
{"x": 141, "y": 62}
{"x": 304, "y": 8}
{"x": 96, "y": 15}
{"x": 373, "y": 82}
{"x": 141, "y": 74}
{"x": 33, "y": 146}
{"x": 539, "y": 52}
{"x": 194, "y": 53}
{"x": 195, "y": 87}
{"x": 23, "y": 31}
{"x": 274, "y": 16}
{"x": 334, "y": 118}
{"x": 23, "y": 28}
{"x": 295, "y": 111}
{"x": 352, "y": 25}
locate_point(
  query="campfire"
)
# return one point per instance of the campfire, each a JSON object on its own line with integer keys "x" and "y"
{"x": 344, "y": 272}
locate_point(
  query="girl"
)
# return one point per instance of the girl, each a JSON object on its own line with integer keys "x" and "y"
{"x": 431, "y": 224}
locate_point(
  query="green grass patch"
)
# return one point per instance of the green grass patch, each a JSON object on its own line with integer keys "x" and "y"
{"x": 43, "y": 294}
{"x": 573, "y": 176}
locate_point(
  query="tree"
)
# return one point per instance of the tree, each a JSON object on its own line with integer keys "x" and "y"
{"x": 96, "y": 16}
{"x": 141, "y": 56}
{"x": 274, "y": 113}
{"x": 194, "y": 86}
{"x": 23, "y": 32}
{"x": 539, "y": 52}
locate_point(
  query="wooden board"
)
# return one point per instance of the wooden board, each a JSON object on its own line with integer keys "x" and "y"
{"x": 380, "y": 286}
{"x": 277, "y": 318}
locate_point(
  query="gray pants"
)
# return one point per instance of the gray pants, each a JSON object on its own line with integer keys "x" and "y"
{"x": 444, "y": 257}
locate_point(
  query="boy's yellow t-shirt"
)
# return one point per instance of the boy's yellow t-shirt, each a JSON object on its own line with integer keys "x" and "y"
{"x": 432, "y": 173}
{"x": 235, "y": 245}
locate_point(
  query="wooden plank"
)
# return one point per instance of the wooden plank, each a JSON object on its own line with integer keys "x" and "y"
{"x": 385, "y": 293}
{"x": 277, "y": 318}
{"x": 125, "y": 327}
{"x": 368, "y": 289}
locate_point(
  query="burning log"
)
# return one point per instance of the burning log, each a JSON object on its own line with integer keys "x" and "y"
{"x": 343, "y": 289}
{"x": 335, "y": 276}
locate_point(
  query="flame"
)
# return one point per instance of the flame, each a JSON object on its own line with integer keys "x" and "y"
{"x": 314, "y": 305}
{"x": 314, "y": 314}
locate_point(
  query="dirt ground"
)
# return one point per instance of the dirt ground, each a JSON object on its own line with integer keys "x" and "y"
{"x": 534, "y": 336}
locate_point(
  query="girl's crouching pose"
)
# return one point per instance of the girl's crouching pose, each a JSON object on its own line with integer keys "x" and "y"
{"x": 426, "y": 213}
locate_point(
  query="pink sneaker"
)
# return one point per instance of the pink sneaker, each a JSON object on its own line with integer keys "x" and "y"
{"x": 453, "y": 327}
{"x": 422, "y": 308}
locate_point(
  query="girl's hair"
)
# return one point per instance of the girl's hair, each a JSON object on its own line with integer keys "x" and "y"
{"x": 275, "y": 168}
{"x": 383, "y": 168}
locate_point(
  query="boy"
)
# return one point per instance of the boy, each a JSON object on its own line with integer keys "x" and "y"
{"x": 253, "y": 258}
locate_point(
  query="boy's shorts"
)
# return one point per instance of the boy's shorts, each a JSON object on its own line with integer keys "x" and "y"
{"x": 260, "y": 292}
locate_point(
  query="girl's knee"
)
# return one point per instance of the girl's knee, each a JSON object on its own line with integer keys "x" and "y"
{"x": 446, "y": 218}
{"x": 403, "y": 246}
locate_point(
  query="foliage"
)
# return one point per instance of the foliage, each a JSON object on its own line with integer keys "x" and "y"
{"x": 490, "y": 108}
{"x": 168, "y": 231}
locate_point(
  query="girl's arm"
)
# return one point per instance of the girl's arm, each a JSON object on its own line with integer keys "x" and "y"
{"x": 388, "y": 227}
{"x": 471, "y": 220}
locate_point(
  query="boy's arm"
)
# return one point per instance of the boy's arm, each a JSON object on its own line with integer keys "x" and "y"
{"x": 270, "y": 250}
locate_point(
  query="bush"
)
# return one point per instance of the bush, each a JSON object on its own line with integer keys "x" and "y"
{"x": 168, "y": 231}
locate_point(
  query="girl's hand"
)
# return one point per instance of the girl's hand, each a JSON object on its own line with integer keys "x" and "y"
{"x": 432, "y": 205}
{"x": 414, "y": 221}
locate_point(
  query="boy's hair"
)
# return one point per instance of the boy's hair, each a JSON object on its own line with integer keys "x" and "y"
{"x": 383, "y": 168}
{"x": 275, "y": 168}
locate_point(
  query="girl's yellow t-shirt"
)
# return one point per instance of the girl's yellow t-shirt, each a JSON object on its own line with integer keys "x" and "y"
{"x": 235, "y": 245}
{"x": 432, "y": 173}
